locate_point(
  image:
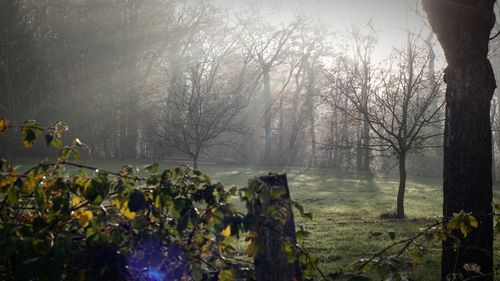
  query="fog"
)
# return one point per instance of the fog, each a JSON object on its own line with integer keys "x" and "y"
{"x": 319, "y": 83}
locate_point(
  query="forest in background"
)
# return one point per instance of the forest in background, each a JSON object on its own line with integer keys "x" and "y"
{"x": 167, "y": 80}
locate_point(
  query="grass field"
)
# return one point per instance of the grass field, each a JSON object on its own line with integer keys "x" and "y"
{"x": 346, "y": 209}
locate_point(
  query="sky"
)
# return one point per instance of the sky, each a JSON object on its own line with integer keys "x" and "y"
{"x": 389, "y": 17}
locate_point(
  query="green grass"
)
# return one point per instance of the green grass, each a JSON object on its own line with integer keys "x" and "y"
{"x": 346, "y": 209}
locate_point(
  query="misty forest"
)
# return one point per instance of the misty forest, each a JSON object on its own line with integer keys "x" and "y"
{"x": 249, "y": 140}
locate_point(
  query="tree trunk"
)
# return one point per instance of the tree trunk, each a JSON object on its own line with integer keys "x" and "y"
{"x": 267, "y": 118}
{"x": 400, "y": 206}
{"x": 130, "y": 108}
{"x": 294, "y": 120}
{"x": 311, "y": 93}
{"x": 312, "y": 124}
{"x": 195, "y": 160}
{"x": 359, "y": 148}
{"x": 366, "y": 144}
{"x": 365, "y": 134}
{"x": 463, "y": 29}
{"x": 281, "y": 127}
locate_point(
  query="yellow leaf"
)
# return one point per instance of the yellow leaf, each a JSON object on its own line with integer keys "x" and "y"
{"x": 122, "y": 205}
{"x": 204, "y": 250}
{"x": 84, "y": 217}
{"x": 75, "y": 201}
{"x": 8, "y": 180}
{"x": 464, "y": 229}
{"x": 4, "y": 124}
{"x": 226, "y": 232}
{"x": 473, "y": 222}
{"x": 226, "y": 275}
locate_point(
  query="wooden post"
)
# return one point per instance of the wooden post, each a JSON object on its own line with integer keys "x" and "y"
{"x": 271, "y": 263}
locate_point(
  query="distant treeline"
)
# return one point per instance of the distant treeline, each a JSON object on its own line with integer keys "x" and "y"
{"x": 184, "y": 79}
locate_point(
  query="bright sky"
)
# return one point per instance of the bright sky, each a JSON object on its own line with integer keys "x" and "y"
{"x": 390, "y": 17}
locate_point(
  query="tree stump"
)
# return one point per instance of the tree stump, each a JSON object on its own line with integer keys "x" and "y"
{"x": 271, "y": 262}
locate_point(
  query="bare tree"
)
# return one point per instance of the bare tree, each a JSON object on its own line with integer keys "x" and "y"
{"x": 266, "y": 44}
{"x": 364, "y": 41}
{"x": 310, "y": 49}
{"x": 204, "y": 99}
{"x": 399, "y": 111}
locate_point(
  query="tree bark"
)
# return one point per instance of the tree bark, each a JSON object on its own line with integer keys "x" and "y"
{"x": 496, "y": 138}
{"x": 493, "y": 111}
{"x": 400, "y": 207}
{"x": 463, "y": 29}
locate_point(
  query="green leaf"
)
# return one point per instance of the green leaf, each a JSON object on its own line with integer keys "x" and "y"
{"x": 65, "y": 154}
{"x": 12, "y": 197}
{"x": 76, "y": 154}
{"x": 126, "y": 170}
{"x": 152, "y": 168}
{"x": 196, "y": 272}
{"x": 289, "y": 251}
{"x": 57, "y": 143}
{"x": 59, "y": 128}
{"x": 276, "y": 192}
